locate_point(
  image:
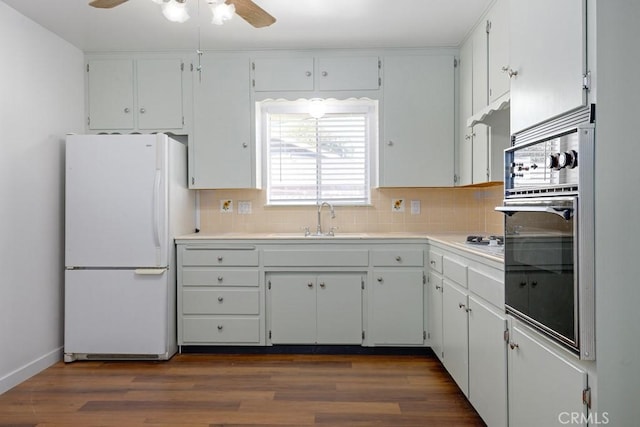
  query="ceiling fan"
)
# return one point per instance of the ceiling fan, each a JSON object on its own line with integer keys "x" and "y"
{"x": 247, "y": 9}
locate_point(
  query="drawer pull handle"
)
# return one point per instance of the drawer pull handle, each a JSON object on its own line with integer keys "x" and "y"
{"x": 219, "y": 327}
{"x": 461, "y": 305}
{"x": 220, "y": 299}
{"x": 322, "y": 284}
{"x": 220, "y": 278}
{"x": 220, "y": 258}
{"x": 380, "y": 279}
{"x": 432, "y": 262}
{"x": 310, "y": 284}
{"x": 513, "y": 346}
{"x": 438, "y": 287}
{"x": 398, "y": 258}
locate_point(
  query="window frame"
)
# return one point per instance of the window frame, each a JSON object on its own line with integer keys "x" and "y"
{"x": 363, "y": 105}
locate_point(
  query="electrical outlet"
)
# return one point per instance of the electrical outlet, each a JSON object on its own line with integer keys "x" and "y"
{"x": 244, "y": 207}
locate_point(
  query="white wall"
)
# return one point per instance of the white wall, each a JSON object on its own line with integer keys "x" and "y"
{"x": 618, "y": 211}
{"x": 41, "y": 99}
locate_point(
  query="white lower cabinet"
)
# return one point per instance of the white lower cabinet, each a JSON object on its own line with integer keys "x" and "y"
{"x": 308, "y": 308}
{"x": 487, "y": 361}
{"x": 467, "y": 328}
{"x": 455, "y": 332}
{"x": 546, "y": 387}
{"x": 397, "y": 307}
{"x": 396, "y": 315}
{"x": 434, "y": 313}
{"x": 220, "y": 296}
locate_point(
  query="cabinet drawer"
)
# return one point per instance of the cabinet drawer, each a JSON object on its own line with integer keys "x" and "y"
{"x": 221, "y": 330}
{"x": 487, "y": 287}
{"x": 220, "y": 301}
{"x": 219, "y": 277}
{"x": 435, "y": 261}
{"x": 454, "y": 270}
{"x": 399, "y": 257}
{"x": 316, "y": 258}
{"x": 221, "y": 257}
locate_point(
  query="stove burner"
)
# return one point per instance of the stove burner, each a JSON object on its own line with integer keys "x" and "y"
{"x": 481, "y": 240}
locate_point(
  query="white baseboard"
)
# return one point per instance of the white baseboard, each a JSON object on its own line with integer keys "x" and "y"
{"x": 25, "y": 372}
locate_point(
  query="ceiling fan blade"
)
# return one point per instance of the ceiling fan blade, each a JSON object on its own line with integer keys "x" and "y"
{"x": 252, "y": 13}
{"x": 106, "y": 4}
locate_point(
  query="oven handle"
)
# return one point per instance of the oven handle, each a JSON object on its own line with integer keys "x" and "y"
{"x": 563, "y": 211}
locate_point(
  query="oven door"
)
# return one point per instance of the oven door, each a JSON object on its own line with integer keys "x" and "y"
{"x": 540, "y": 254}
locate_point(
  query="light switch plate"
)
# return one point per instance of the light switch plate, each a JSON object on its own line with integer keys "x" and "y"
{"x": 415, "y": 207}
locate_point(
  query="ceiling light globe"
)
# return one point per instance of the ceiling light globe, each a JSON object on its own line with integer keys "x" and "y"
{"x": 175, "y": 11}
{"x": 222, "y": 12}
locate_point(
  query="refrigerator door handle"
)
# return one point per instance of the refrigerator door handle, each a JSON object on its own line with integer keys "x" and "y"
{"x": 156, "y": 208}
{"x": 150, "y": 271}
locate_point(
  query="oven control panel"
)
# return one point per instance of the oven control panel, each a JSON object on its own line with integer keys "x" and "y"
{"x": 542, "y": 167}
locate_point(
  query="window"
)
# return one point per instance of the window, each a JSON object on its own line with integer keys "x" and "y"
{"x": 309, "y": 160}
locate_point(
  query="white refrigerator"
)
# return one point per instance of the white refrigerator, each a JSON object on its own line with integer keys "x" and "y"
{"x": 126, "y": 198}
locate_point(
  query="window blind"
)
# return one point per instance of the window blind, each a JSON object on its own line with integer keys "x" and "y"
{"x": 311, "y": 160}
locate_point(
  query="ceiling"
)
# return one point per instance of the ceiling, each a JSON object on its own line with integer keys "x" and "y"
{"x": 138, "y": 25}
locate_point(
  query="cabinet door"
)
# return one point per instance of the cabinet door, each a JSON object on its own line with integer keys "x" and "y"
{"x": 417, "y": 148}
{"x": 339, "y": 309}
{"x": 455, "y": 329}
{"x": 348, "y": 73}
{"x": 480, "y": 68}
{"x": 465, "y": 147}
{"x": 397, "y": 307}
{"x": 283, "y": 74}
{"x": 159, "y": 83}
{"x": 110, "y": 87}
{"x": 543, "y": 384}
{"x": 487, "y": 362}
{"x": 293, "y": 308}
{"x": 221, "y": 154}
{"x": 480, "y": 161}
{"x": 550, "y": 62}
{"x": 498, "y": 18}
{"x": 435, "y": 313}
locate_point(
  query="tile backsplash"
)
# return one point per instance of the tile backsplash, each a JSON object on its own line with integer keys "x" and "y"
{"x": 460, "y": 209}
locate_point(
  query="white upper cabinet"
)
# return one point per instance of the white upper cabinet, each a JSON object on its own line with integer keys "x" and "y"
{"x": 222, "y": 153}
{"x": 480, "y": 68}
{"x": 135, "y": 94}
{"x": 548, "y": 53}
{"x": 465, "y": 145}
{"x": 309, "y": 73}
{"x": 498, "y": 49}
{"x": 417, "y": 144}
{"x": 159, "y": 93}
{"x": 110, "y": 90}
{"x": 283, "y": 74}
{"x": 473, "y": 152}
{"x": 348, "y": 73}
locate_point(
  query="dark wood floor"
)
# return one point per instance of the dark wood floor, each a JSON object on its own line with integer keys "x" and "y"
{"x": 242, "y": 390}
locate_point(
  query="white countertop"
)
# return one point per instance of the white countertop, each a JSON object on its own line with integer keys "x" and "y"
{"x": 454, "y": 240}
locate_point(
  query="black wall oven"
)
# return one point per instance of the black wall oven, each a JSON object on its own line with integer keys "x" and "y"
{"x": 549, "y": 233}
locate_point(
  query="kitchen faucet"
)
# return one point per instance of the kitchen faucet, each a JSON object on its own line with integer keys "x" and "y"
{"x": 319, "y": 226}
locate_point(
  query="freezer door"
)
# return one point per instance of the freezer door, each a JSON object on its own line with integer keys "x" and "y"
{"x": 116, "y": 312}
{"x": 116, "y": 198}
